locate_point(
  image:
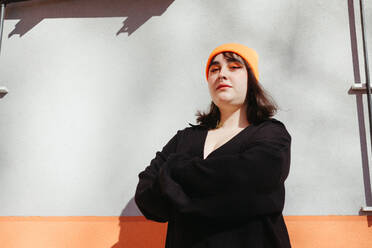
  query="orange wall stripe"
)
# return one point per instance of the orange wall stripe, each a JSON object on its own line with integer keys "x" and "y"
{"x": 137, "y": 232}
{"x": 330, "y": 231}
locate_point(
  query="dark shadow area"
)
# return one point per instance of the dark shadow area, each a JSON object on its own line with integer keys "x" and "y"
{"x": 359, "y": 104}
{"x": 135, "y": 230}
{"x": 3, "y": 92}
{"x": 131, "y": 209}
{"x": 31, "y": 13}
{"x": 368, "y": 216}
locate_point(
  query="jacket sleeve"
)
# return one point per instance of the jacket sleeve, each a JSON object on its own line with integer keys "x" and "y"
{"x": 152, "y": 203}
{"x": 232, "y": 187}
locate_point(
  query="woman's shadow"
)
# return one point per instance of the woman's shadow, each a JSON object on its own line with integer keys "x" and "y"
{"x": 136, "y": 231}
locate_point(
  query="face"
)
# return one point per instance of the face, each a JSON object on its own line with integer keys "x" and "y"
{"x": 232, "y": 74}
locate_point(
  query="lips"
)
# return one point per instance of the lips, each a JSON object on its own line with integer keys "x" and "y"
{"x": 223, "y": 85}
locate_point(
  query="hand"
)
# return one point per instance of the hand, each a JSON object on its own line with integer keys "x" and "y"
{"x": 168, "y": 187}
{"x": 165, "y": 179}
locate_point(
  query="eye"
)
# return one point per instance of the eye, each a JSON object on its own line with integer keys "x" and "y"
{"x": 214, "y": 69}
{"x": 236, "y": 67}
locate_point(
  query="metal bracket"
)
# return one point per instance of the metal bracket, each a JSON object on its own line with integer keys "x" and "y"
{"x": 365, "y": 210}
{"x": 358, "y": 88}
{"x": 3, "y": 91}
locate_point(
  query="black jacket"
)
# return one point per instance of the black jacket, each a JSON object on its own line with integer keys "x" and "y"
{"x": 232, "y": 199}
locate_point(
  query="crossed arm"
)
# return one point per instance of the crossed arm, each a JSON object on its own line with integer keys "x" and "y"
{"x": 148, "y": 197}
{"x": 226, "y": 188}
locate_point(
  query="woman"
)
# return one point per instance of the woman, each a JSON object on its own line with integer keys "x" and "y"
{"x": 220, "y": 184}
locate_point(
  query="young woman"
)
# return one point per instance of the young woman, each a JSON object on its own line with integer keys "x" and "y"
{"x": 220, "y": 184}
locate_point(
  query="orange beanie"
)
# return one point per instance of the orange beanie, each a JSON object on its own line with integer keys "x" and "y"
{"x": 248, "y": 54}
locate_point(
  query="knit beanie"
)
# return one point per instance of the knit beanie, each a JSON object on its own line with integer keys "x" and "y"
{"x": 248, "y": 54}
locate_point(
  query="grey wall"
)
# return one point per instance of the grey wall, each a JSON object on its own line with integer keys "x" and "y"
{"x": 96, "y": 88}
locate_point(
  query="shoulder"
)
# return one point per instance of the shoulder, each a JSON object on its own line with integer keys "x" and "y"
{"x": 195, "y": 127}
{"x": 192, "y": 128}
{"x": 271, "y": 128}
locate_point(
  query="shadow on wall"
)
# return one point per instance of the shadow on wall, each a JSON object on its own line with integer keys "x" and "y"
{"x": 360, "y": 110}
{"x": 131, "y": 209}
{"x": 136, "y": 231}
{"x": 33, "y": 12}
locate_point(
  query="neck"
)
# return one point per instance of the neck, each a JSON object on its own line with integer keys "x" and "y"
{"x": 234, "y": 118}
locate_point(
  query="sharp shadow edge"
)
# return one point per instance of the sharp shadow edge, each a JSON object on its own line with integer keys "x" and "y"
{"x": 31, "y": 13}
{"x": 124, "y": 240}
{"x": 359, "y": 103}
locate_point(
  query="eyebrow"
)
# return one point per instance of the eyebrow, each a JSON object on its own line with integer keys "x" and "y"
{"x": 228, "y": 59}
{"x": 214, "y": 63}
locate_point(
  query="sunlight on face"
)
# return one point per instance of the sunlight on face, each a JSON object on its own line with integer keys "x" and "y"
{"x": 231, "y": 73}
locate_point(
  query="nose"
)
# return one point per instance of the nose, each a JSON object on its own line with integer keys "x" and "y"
{"x": 222, "y": 73}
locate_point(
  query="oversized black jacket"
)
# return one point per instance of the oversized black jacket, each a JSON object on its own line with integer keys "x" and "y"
{"x": 232, "y": 199}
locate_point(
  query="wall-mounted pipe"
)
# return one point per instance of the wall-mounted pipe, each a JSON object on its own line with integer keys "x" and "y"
{"x": 2, "y": 14}
{"x": 367, "y": 209}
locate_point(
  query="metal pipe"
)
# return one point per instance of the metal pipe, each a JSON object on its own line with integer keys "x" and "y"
{"x": 2, "y": 16}
{"x": 366, "y": 68}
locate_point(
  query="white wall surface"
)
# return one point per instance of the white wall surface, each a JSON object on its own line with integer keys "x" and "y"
{"x": 97, "y": 87}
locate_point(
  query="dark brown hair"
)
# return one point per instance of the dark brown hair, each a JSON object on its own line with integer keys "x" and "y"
{"x": 260, "y": 105}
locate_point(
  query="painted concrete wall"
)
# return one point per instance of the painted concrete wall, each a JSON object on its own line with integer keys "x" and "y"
{"x": 97, "y": 87}
{"x": 136, "y": 231}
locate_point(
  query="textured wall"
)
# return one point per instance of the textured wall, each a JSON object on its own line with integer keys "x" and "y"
{"x": 97, "y": 87}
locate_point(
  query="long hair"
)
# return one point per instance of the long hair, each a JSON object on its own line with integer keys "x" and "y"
{"x": 260, "y": 105}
